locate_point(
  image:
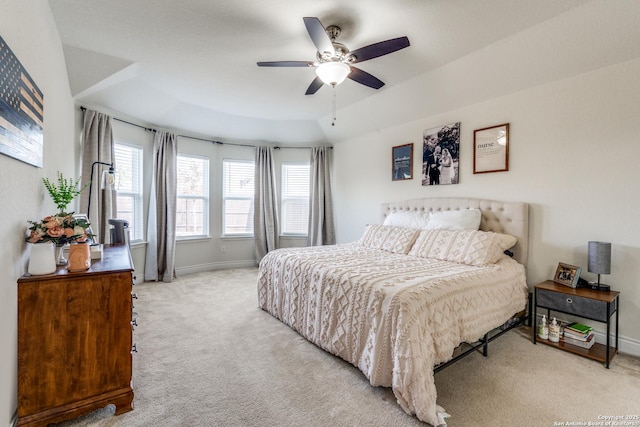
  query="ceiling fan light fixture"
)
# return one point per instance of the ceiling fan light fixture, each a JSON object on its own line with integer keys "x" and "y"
{"x": 333, "y": 73}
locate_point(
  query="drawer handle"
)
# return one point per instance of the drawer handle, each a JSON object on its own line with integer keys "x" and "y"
{"x": 569, "y": 301}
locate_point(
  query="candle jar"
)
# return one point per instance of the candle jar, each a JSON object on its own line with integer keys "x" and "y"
{"x": 79, "y": 257}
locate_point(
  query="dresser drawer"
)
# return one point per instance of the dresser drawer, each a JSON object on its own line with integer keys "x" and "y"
{"x": 571, "y": 304}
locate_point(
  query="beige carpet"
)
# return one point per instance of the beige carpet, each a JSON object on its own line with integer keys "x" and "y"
{"x": 207, "y": 356}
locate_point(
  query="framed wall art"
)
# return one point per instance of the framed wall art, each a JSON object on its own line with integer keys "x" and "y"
{"x": 567, "y": 275}
{"x": 440, "y": 154}
{"x": 402, "y": 162}
{"x": 21, "y": 111}
{"x": 491, "y": 149}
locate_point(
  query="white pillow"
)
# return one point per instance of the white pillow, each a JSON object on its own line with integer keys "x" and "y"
{"x": 407, "y": 219}
{"x": 396, "y": 240}
{"x": 465, "y": 219}
{"x": 471, "y": 247}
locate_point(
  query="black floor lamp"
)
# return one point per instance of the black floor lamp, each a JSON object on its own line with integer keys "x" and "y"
{"x": 111, "y": 172}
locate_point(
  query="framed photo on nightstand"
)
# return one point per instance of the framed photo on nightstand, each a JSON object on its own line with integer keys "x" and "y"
{"x": 567, "y": 275}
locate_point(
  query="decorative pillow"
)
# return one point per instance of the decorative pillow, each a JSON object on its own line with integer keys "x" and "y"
{"x": 391, "y": 239}
{"x": 465, "y": 219}
{"x": 472, "y": 247}
{"x": 407, "y": 219}
{"x": 506, "y": 241}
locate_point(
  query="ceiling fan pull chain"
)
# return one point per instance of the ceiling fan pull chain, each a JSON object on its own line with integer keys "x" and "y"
{"x": 333, "y": 110}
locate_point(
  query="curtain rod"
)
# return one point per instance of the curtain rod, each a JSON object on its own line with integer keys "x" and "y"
{"x": 82, "y": 108}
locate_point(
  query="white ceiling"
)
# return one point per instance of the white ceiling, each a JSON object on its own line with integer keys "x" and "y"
{"x": 190, "y": 65}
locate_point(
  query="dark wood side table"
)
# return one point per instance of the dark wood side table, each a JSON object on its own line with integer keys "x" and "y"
{"x": 74, "y": 340}
{"x": 585, "y": 303}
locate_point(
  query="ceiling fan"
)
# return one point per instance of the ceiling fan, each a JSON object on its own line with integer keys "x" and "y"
{"x": 334, "y": 60}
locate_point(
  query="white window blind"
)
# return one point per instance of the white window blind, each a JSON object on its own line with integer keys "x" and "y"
{"x": 237, "y": 193}
{"x": 295, "y": 198}
{"x": 192, "y": 208}
{"x": 128, "y": 160}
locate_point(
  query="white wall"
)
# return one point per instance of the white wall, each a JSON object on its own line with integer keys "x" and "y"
{"x": 574, "y": 150}
{"x": 29, "y": 30}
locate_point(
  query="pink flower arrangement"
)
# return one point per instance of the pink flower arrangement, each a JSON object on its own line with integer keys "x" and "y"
{"x": 60, "y": 229}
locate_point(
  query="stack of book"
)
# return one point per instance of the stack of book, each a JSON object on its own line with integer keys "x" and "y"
{"x": 579, "y": 335}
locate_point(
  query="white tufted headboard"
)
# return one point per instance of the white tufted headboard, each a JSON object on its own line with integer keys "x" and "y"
{"x": 500, "y": 217}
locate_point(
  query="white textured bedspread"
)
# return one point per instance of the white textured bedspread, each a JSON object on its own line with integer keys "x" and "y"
{"x": 393, "y": 316}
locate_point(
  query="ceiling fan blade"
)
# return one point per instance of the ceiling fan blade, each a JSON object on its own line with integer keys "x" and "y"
{"x": 314, "y": 86}
{"x": 362, "y": 77}
{"x": 285, "y": 64}
{"x": 379, "y": 49}
{"x": 319, "y": 35}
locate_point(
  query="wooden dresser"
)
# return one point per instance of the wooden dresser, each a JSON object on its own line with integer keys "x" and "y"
{"x": 75, "y": 340}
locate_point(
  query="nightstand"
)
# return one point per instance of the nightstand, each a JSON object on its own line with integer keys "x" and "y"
{"x": 584, "y": 303}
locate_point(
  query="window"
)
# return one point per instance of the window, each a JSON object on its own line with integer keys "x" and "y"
{"x": 192, "y": 207}
{"x": 295, "y": 198}
{"x": 128, "y": 160}
{"x": 237, "y": 194}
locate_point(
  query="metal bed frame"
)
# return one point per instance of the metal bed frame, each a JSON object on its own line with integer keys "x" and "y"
{"x": 482, "y": 345}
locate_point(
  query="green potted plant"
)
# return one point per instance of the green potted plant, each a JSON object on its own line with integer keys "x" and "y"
{"x": 63, "y": 191}
{"x": 61, "y": 228}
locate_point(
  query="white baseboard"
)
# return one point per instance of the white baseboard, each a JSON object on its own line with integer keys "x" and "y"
{"x": 215, "y": 266}
{"x": 625, "y": 345}
{"x": 210, "y": 267}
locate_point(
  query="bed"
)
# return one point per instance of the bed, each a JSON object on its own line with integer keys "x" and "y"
{"x": 399, "y": 301}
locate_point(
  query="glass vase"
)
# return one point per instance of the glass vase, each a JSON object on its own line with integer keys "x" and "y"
{"x": 60, "y": 258}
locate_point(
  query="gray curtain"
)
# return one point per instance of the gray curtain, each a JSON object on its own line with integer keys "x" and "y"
{"x": 321, "y": 225}
{"x": 266, "y": 227}
{"x": 97, "y": 146}
{"x": 161, "y": 224}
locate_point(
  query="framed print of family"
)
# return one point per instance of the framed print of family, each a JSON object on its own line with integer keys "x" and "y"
{"x": 440, "y": 154}
{"x": 402, "y": 162}
{"x": 567, "y": 275}
{"x": 491, "y": 149}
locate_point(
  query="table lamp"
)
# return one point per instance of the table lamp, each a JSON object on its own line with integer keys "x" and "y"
{"x": 599, "y": 263}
